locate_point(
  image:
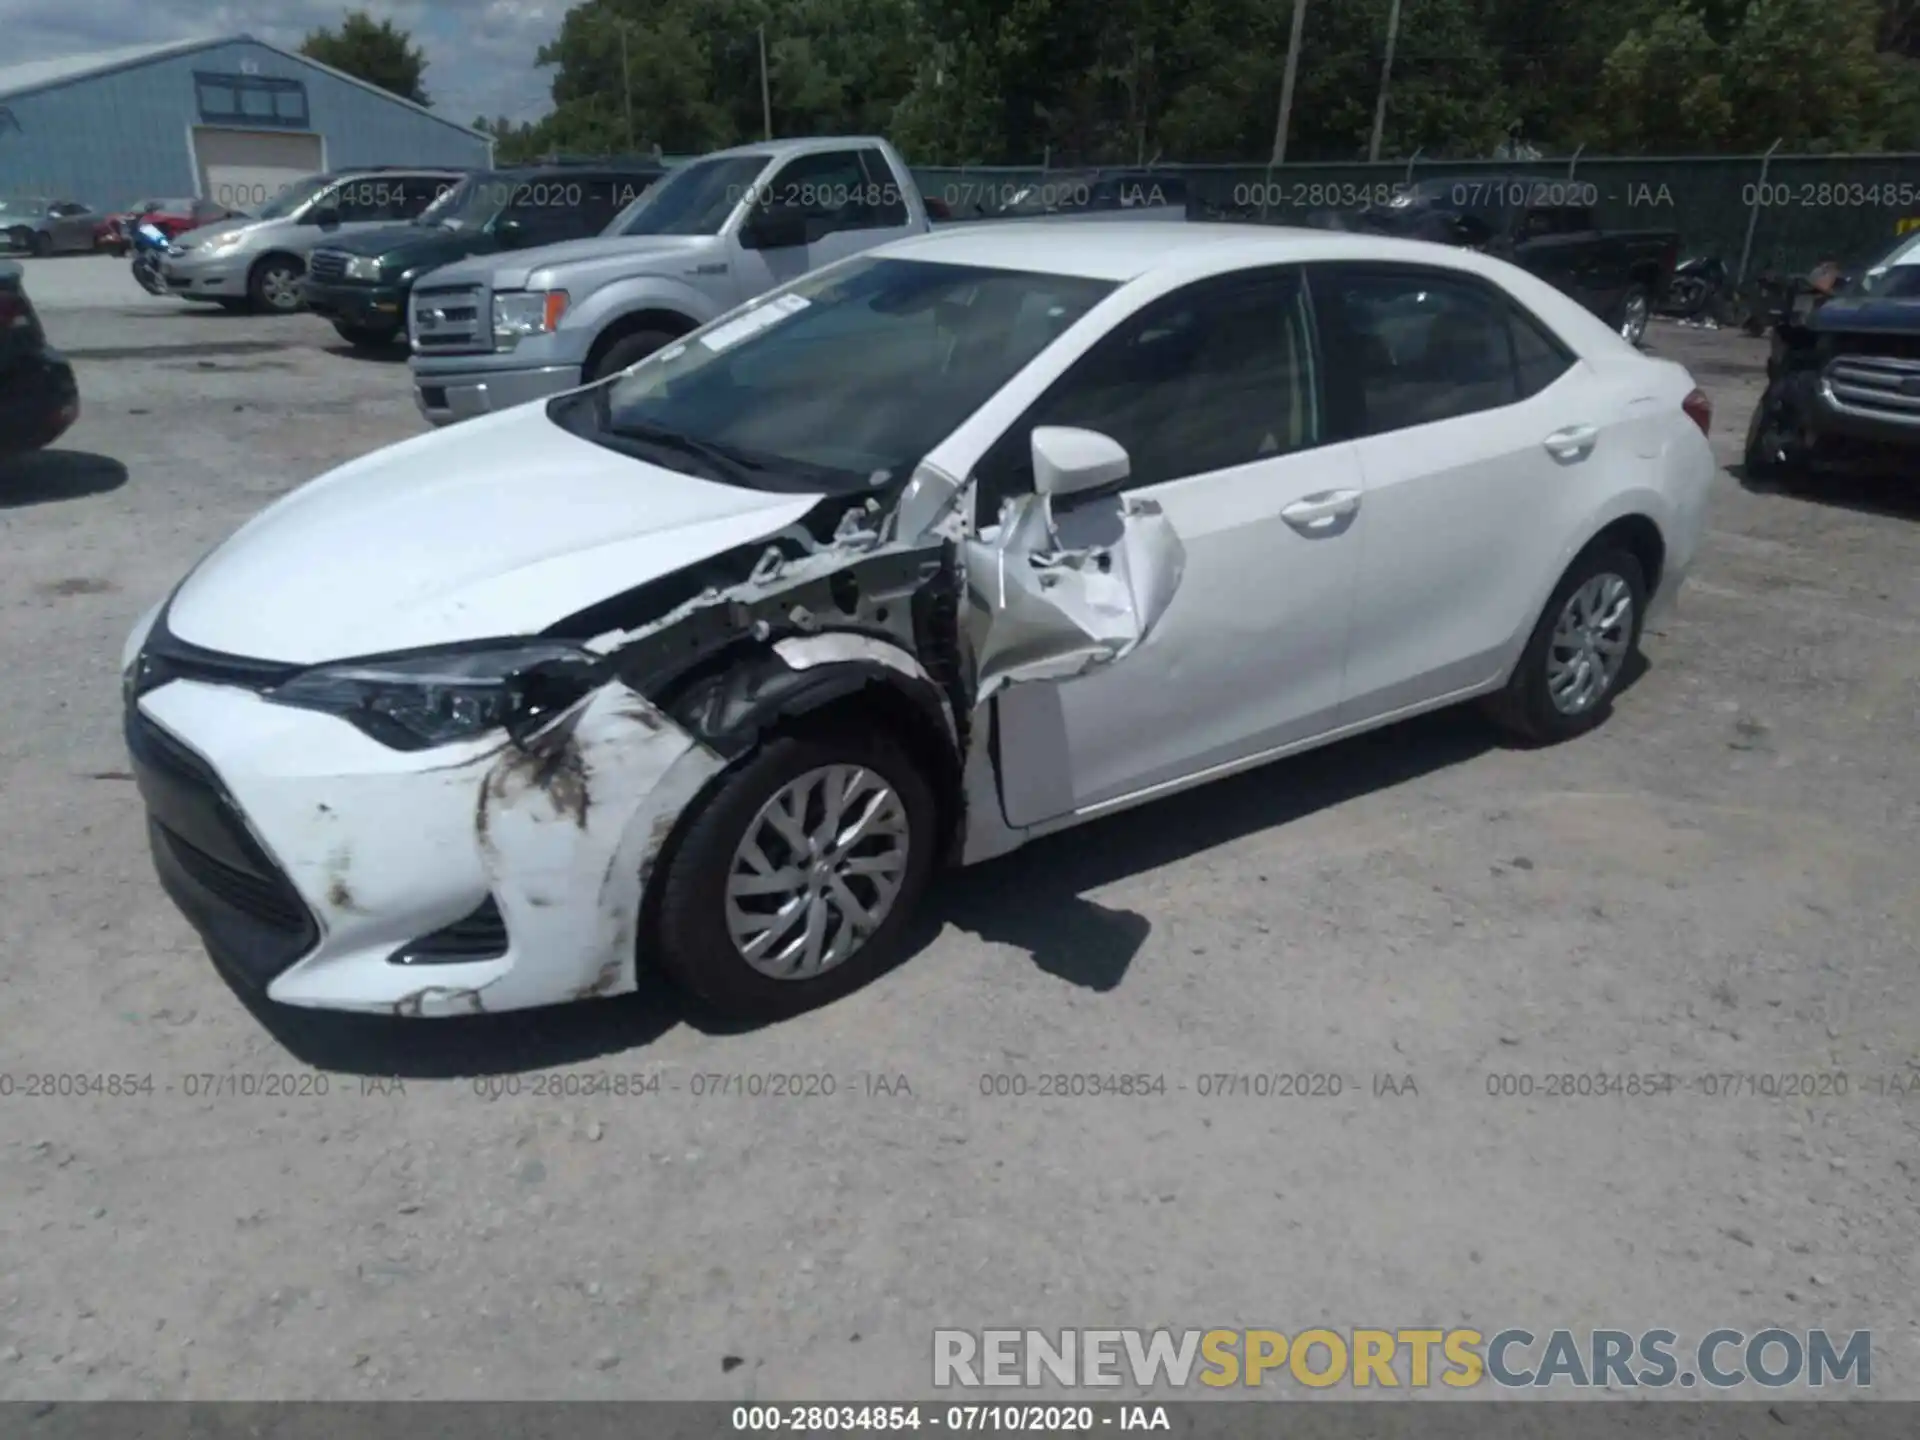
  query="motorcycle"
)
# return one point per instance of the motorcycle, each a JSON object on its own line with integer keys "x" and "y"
{"x": 1696, "y": 285}
{"x": 149, "y": 243}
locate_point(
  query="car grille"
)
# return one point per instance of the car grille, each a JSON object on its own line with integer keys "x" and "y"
{"x": 1884, "y": 386}
{"x": 327, "y": 265}
{"x": 449, "y": 320}
{"x": 245, "y": 908}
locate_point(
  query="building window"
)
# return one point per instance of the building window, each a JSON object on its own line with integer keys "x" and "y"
{"x": 251, "y": 100}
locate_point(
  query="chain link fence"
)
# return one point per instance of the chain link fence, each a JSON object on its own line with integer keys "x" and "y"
{"x": 1775, "y": 212}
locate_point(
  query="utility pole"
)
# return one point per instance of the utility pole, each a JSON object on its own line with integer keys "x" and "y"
{"x": 1386, "y": 74}
{"x": 766, "y": 104}
{"x": 626, "y": 82}
{"x": 1286, "y": 83}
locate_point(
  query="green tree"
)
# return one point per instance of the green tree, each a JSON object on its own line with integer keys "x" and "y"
{"x": 378, "y": 52}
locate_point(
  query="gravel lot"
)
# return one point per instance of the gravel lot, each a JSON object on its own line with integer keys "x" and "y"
{"x": 1719, "y": 882}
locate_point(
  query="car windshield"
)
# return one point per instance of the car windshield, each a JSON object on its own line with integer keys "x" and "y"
{"x": 24, "y": 205}
{"x": 694, "y": 199}
{"x": 842, "y": 381}
{"x": 294, "y": 196}
{"x": 1893, "y": 276}
{"x": 472, "y": 204}
{"x": 447, "y": 200}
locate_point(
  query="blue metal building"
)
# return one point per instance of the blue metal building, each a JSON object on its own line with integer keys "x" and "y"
{"x": 231, "y": 119}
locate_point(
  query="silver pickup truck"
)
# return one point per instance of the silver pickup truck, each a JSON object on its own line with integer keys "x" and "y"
{"x": 501, "y": 329}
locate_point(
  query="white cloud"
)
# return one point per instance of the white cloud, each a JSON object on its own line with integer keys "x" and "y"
{"x": 479, "y": 52}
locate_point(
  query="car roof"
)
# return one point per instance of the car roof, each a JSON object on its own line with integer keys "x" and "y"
{"x": 1128, "y": 250}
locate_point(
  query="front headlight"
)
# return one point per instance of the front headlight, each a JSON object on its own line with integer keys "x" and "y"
{"x": 363, "y": 267}
{"x": 224, "y": 242}
{"x": 415, "y": 702}
{"x": 526, "y": 312}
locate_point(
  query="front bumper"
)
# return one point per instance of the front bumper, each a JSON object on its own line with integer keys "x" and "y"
{"x": 39, "y": 401}
{"x": 310, "y": 858}
{"x": 445, "y": 397}
{"x": 197, "y": 275}
{"x": 1837, "y": 430}
{"x": 368, "y": 307}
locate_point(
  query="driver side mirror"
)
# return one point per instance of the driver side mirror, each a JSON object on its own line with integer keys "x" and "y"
{"x": 510, "y": 233}
{"x": 327, "y": 217}
{"x": 774, "y": 227}
{"x": 1071, "y": 461}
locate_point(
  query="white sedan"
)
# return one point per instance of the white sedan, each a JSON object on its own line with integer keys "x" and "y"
{"x": 709, "y": 666}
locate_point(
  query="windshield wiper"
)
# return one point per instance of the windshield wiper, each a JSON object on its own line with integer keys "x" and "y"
{"x": 731, "y": 464}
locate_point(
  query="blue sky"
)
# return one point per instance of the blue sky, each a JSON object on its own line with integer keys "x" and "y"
{"x": 479, "y": 52}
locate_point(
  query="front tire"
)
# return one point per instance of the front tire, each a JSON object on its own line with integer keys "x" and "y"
{"x": 1567, "y": 676}
{"x": 793, "y": 883}
{"x": 274, "y": 285}
{"x": 630, "y": 350}
{"x": 1771, "y": 456}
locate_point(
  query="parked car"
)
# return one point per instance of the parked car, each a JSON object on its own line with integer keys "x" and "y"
{"x": 174, "y": 218}
{"x": 499, "y": 330}
{"x": 38, "y": 398}
{"x": 945, "y": 546}
{"x": 36, "y": 225}
{"x": 1843, "y": 377}
{"x": 1544, "y": 226}
{"x": 361, "y": 283}
{"x": 257, "y": 263}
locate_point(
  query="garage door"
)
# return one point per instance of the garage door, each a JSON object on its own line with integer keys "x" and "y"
{"x": 245, "y": 169}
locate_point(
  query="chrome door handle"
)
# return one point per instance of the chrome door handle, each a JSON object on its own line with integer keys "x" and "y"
{"x": 1572, "y": 443}
{"x": 1320, "y": 514}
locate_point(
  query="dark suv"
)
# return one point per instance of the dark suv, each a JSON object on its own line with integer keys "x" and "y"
{"x": 38, "y": 399}
{"x": 361, "y": 283}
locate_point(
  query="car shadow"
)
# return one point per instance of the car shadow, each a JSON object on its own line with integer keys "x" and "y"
{"x": 1891, "y": 496}
{"x": 1034, "y": 900}
{"x": 469, "y": 1046}
{"x": 369, "y": 355}
{"x": 46, "y": 477}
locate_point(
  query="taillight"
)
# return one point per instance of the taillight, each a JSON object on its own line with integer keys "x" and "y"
{"x": 13, "y": 313}
{"x": 1699, "y": 410}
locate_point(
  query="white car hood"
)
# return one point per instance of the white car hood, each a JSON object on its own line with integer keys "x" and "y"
{"x": 496, "y": 527}
{"x": 512, "y": 269}
{"x": 191, "y": 239}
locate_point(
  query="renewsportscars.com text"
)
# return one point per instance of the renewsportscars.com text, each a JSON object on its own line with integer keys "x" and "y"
{"x": 1510, "y": 1359}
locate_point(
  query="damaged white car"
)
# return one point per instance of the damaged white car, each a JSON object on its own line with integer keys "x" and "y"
{"x": 710, "y": 665}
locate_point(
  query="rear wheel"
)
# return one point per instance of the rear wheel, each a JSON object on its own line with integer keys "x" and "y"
{"x": 274, "y": 285}
{"x": 794, "y": 882}
{"x": 42, "y": 243}
{"x": 630, "y": 350}
{"x": 1565, "y": 681}
{"x": 1631, "y": 318}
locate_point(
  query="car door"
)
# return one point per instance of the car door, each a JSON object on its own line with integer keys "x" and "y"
{"x": 72, "y": 226}
{"x": 1543, "y": 247}
{"x": 1464, "y": 411}
{"x": 852, "y": 203}
{"x": 1214, "y": 392}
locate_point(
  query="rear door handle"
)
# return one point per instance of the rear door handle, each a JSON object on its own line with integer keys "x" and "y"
{"x": 1575, "y": 442}
{"x": 1321, "y": 514}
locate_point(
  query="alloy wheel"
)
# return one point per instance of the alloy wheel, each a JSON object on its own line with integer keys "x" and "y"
{"x": 1633, "y": 321}
{"x": 1589, "y": 644}
{"x": 281, "y": 287}
{"x": 817, "y": 871}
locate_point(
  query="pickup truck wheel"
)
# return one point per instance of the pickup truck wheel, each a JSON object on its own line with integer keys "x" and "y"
{"x": 629, "y": 350}
{"x": 1564, "y": 684}
{"x": 367, "y": 337}
{"x": 1631, "y": 321}
{"x": 1772, "y": 456}
{"x": 794, "y": 882}
{"x": 274, "y": 285}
